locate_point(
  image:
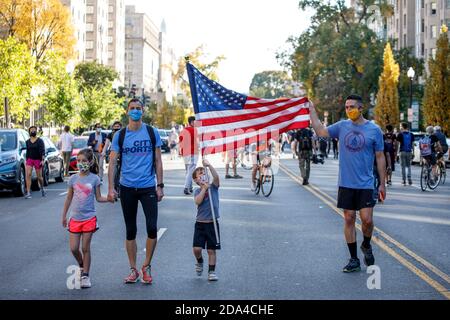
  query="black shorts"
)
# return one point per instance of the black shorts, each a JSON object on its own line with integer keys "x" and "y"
{"x": 205, "y": 237}
{"x": 431, "y": 159}
{"x": 355, "y": 199}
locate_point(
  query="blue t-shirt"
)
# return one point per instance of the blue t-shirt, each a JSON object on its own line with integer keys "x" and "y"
{"x": 204, "y": 212}
{"x": 83, "y": 201}
{"x": 357, "y": 147}
{"x": 137, "y": 158}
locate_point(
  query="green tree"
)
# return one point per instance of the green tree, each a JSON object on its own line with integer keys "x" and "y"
{"x": 387, "y": 108}
{"x": 337, "y": 55}
{"x": 94, "y": 75}
{"x": 437, "y": 88}
{"x": 17, "y": 77}
{"x": 197, "y": 58}
{"x": 270, "y": 84}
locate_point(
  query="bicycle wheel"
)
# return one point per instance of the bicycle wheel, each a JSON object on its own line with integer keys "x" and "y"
{"x": 267, "y": 181}
{"x": 424, "y": 177}
{"x": 434, "y": 179}
{"x": 258, "y": 181}
{"x": 443, "y": 173}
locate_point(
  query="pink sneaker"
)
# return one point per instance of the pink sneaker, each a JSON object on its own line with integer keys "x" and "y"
{"x": 133, "y": 277}
{"x": 146, "y": 275}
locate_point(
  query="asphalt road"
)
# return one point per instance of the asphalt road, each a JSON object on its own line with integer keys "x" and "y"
{"x": 287, "y": 246}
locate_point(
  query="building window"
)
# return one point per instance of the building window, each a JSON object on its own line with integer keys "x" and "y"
{"x": 404, "y": 20}
{"x": 110, "y": 54}
{"x": 110, "y": 39}
{"x": 89, "y": 44}
{"x": 433, "y": 8}
{"x": 433, "y": 53}
{"x": 448, "y": 4}
{"x": 111, "y": 9}
{"x": 110, "y": 24}
{"x": 90, "y": 27}
{"x": 423, "y": 25}
{"x": 433, "y": 32}
{"x": 90, "y": 9}
{"x": 404, "y": 41}
{"x": 423, "y": 49}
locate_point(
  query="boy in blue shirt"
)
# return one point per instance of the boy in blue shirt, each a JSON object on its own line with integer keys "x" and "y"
{"x": 204, "y": 233}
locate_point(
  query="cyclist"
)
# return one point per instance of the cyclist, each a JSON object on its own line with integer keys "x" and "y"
{"x": 429, "y": 146}
{"x": 258, "y": 151}
{"x": 443, "y": 142}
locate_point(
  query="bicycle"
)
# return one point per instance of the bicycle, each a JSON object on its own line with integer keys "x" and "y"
{"x": 427, "y": 178}
{"x": 264, "y": 176}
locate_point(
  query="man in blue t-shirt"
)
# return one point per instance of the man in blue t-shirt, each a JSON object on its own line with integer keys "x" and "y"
{"x": 140, "y": 180}
{"x": 360, "y": 141}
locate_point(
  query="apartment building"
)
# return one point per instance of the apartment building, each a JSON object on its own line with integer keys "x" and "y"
{"x": 116, "y": 37}
{"x": 77, "y": 10}
{"x": 97, "y": 31}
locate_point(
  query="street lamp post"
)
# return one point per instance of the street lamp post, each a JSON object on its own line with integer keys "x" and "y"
{"x": 411, "y": 74}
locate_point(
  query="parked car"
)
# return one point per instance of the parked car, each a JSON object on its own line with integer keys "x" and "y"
{"x": 13, "y": 157}
{"x": 164, "y": 140}
{"x": 79, "y": 143}
{"x": 12, "y": 160}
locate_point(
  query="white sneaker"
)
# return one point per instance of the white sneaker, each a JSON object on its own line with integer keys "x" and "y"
{"x": 199, "y": 268}
{"x": 253, "y": 186}
{"x": 212, "y": 276}
{"x": 85, "y": 282}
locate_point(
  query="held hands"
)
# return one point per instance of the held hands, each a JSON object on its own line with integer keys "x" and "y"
{"x": 112, "y": 195}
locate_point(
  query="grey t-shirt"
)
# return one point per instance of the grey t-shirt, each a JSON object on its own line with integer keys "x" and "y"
{"x": 84, "y": 189}
{"x": 204, "y": 209}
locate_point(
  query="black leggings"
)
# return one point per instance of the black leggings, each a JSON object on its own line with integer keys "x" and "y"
{"x": 129, "y": 198}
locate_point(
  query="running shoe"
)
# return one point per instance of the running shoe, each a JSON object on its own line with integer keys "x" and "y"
{"x": 186, "y": 191}
{"x": 85, "y": 282}
{"x": 369, "y": 259}
{"x": 253, "y": 186}
{"x": 404, "y": 183}
{"x": 410, "y": 181}
{"x": 212, "y": 276}
{"x": 146, "y": 275}
{"x": 133, "y": 277}
{"x": 43, "y": 192}
{"x": 199, "y": 268}
{"x": 28, "y": 196}
{"x": 237, "y": 177}
{"x": 352, "y": 266}
{"x": 227, "y": 176}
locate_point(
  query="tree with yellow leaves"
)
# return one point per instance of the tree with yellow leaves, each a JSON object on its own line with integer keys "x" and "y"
{"x": 436, "y": 104}
{"x": 42, "y": 24}
{"x": 387, "y": 106}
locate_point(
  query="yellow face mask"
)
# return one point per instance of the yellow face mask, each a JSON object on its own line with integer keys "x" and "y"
{"x": 353, "y": 114}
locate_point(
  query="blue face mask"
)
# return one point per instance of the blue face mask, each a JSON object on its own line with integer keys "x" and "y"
{"x": 135, "y": 115}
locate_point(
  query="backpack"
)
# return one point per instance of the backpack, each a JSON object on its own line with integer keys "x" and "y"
{"x": 425, "y": 146}
{"x": 151, "y": 134}
{"x": 407, "y": 142}
{"x": 305, "y": 142}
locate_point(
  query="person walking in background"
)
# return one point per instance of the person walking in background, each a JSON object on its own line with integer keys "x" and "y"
{"x": 34, "y": 159}
{"x": 117, "y": 125}
{"x": 66, "y": 145}
{"x": 97, "y": 142}
{"x": 405, "y": 140}
{"x": 303, "y": 148}
{"x": 335, "y": 143}
{"x": 189, "y": 152}
{"x": 390, "y": 149}
{"x": 173, "y": 143}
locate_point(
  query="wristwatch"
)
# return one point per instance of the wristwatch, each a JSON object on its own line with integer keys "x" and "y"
{"x": 160, "y": 185}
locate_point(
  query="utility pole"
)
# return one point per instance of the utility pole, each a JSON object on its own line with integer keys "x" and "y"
{"x": 7, "y": 113}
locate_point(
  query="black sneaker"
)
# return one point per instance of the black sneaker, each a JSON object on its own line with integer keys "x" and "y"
{"x": 410, "y": 182}
{"x": 369, "y": 259}
{"x": 186, "y": 191}
{"x": 305, "y": 182}
{"x": 237, "y": 177}
{"x": 352, "y": 266}
{"x": 404, "y": 183}
{"x": 228, "y": 176}
{"x": 191, "y": 190}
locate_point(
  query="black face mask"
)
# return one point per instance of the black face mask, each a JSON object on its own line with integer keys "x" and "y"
{"x": 116, "y": 130}
{"x": 33, "y": 134}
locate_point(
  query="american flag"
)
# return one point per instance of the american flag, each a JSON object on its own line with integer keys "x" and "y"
{"x": 227, "y": 120}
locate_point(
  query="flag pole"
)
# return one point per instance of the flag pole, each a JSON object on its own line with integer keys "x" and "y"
{"x": 212, "y": 207}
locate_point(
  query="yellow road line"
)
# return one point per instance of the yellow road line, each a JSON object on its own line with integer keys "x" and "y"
{"x": 434, "y": 284}
{"x": 388, "y": 238}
